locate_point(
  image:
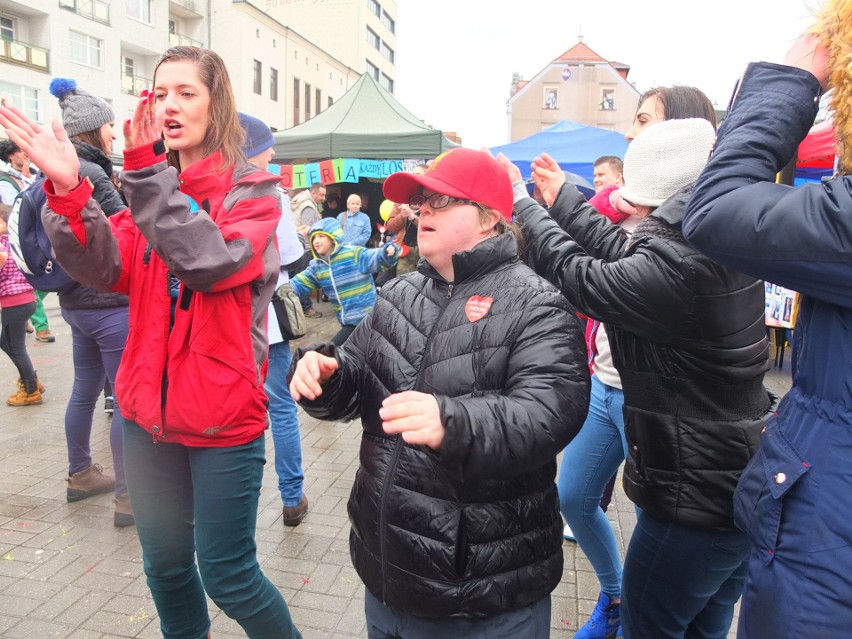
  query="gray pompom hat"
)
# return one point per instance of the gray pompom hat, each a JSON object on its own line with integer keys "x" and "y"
{"x": 81, "y": 111}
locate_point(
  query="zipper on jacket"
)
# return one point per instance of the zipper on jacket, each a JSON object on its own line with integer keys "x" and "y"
{"x": 397, "y": 452}
{"x": 336, "y": 294}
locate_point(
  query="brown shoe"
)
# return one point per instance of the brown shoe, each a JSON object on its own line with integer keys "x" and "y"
{"x": 23, "y": 398}
{"x": 293, "y": 516}
{"x": 39, "y": 385}
{"x": 88, "y": 483}
{"x": 314, "y": 313}
{"x": 45, "y": 336}
{"x": 123, "y": 516}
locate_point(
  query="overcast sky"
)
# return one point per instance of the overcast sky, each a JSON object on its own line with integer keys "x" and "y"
{"x": 455, "y": 58}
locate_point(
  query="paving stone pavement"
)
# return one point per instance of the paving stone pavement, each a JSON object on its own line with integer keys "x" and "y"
{"x": 66, "y": 572}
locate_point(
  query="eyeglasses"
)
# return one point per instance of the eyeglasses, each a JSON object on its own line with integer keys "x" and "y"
{"x": 438, "y": 201}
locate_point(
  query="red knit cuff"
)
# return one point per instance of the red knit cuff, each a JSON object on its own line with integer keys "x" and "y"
{"x": 73, "y": 201}
{"x": 142, "y": 156}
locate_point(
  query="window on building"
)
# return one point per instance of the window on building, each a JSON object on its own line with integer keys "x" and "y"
{"x": 607, "y": 99}
{"x": 129, "y": 65}
{"x": 373, "y": 70}
{"x": 307, "y": 101}
{"x": 387, "y": 83}
{"x": 257, "y": 74}
{"x": 7, "y": 28}
{"x": 375, "y": 7}
{"x": 273, "y": 84}
{"x": 330, "y": 101}
{"x": 25, "y": 98}
{"x": 388, "y": 22}
{"x": 373, "y": 38}
{"x": 139, "y": 10}
{"x": 172, "y": 27}
{"x": 85, "y": 49}
{"x": 387, "y": 51}
{"x": 318, "y": 100}
{"x": 551, "y": 98}
{"x": 297, "y": 115}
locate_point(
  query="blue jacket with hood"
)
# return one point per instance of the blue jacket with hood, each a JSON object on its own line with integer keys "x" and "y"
{"x": 795, "y": 498}
{"x": 344, "y": 275}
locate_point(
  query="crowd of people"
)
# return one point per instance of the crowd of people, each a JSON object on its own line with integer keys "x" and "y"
{"x": 623, "y": 329}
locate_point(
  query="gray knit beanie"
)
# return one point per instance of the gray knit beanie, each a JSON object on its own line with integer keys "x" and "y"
{"x": 81, "y": 111}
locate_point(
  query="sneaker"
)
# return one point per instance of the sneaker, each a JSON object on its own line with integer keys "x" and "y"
{"x": 567, "y": 533}
{"x": 123, "y": 516}
{"x": 294, "y": 515}
{"x": 313, "y": 313}
{"x": 605, "y": 622}
{"x": 45, "y": 335}
{"x": 88, "y": 483}
{"x": 109, "y": 405}
{"x": 23, "y": 398}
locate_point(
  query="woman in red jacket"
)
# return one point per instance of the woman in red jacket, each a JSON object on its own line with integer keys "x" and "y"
{"x": 190, "y": 384}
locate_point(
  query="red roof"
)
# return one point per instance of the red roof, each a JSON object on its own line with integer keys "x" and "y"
{"x": 580, "y": 52}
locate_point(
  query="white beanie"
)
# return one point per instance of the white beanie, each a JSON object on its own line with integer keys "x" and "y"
{"x": 664, "y": 158}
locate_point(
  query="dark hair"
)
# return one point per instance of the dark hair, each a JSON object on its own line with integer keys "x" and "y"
{"x": 681, "y": 103}
{"x": 93, "y": 138}
{"x": 224, "y": 131}
{"x": 7, "y": 149}
{"x": 614, "y": 161}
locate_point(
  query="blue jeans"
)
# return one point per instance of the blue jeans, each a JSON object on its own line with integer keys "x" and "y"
{"x": 98, "y": 336}
{"x": 285, "y": 426}
{"x": 383, "y": 622}
{"x": 188, "y": 502}
{"x": 681, "y": 583}
{"x": 588, "y": 462}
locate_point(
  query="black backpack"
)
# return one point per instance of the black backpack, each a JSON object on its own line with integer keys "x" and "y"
{"x": 29, "y": 244}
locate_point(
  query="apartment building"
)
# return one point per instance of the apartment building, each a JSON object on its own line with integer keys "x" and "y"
{"x": 280, "y": 73}
{"x": 580, "y": 86}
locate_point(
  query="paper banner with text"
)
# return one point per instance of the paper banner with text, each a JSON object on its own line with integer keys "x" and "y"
{"x": 301, "y": 176}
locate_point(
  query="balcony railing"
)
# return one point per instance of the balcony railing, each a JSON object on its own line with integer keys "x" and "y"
{"x": 97, "y": 10}
{"x": 133, "y": 84}
{"x": 180, "y": 40}
{"x": 16, "y": 52}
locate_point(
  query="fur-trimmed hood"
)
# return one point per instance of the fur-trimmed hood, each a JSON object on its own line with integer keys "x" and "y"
{"x": 834, "y": 26}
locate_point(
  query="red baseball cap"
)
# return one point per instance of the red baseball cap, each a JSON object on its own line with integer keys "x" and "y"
{"x": 462, "y": 173}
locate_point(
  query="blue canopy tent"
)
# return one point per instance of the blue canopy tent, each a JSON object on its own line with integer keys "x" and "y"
{"x": 575, "y": 146}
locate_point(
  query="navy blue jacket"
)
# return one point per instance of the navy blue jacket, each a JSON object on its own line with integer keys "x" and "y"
{"x": 795, "y": 498}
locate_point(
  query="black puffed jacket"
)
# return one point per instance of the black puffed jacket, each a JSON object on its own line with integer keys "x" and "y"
{"x": 473, "y": 529}
{"x": 688, "y": 339}
{"x": 97, "y": 168}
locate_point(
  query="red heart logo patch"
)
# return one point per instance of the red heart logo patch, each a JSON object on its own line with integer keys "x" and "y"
{"x": 477, "y": 307}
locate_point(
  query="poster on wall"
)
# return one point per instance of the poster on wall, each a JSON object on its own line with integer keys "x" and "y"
{"x": 782, "y": 306}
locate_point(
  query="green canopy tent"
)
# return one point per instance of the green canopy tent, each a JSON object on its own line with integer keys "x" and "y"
{"x": 366, "y": 122}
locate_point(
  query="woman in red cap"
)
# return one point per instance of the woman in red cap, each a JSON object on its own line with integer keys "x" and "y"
{"x": 469, "y": 378}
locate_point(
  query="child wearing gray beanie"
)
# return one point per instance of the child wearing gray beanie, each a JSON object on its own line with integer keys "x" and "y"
{"x": 81, "y": 111}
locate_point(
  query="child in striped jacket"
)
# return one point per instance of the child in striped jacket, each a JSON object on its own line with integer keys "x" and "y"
{"x": 344, "y": 273}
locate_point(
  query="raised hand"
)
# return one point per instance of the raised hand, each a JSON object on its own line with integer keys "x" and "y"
{"x": 311, "y": 371}
{"x": 548, "y": 177}
{"x": 146, "y": 124}
{"x": 809, "y": 52}
{"x": 513, "y": 171}
{"x": 50, "y": 149}
{"x": 416, "y": 415}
